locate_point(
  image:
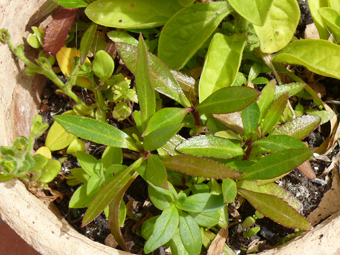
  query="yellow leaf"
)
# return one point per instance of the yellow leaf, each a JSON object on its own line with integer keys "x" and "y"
{"x": 45, "y": 152}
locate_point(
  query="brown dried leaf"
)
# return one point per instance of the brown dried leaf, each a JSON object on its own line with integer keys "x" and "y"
{"x": 57, "y": 30}
{"x": 217, "y": 245}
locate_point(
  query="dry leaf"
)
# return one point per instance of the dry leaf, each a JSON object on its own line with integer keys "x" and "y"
{"x": 217, "y": 244}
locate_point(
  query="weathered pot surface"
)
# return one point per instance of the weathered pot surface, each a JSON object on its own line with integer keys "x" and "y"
{"x": 39, "y": 223}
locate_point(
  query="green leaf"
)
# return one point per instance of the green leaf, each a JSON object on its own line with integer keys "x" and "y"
{"x": 280, "y": 25}
{"x": 103, "y": 65}
{"x": 270, "y": 189}
{"x": 210, "y": 146}
{"x": 196, "y": 166}
{"x": 159, "y": 137}
{"x": 161, "y": 77}
{"x": 277, "y": 164}
{"x": 314, "y": 6}
{"x": 148, "y": 227}
{"x": 229, "y": 190}
{"x": 266, "y": 98}
{"x": 274, "y": 114}
{"x": 176, "y": 245}
{"x": 206, "y": 219}
{"x": 109, "y": 192}
{"x": 203, "y": 202}
{"x": 165, "y": 117}
{"x": 299, "y": 127}
{"x": 121, "y": 36}
{"x": 186, "y": 3}
{"x": 75, "y": 146}
{"x": 232, "y": 121}
{"x": 228, "y": 100}
{"x": 58, "y": 138}
{"x": 279, "y": 143}
{"x": 156, "y": 172}
{"x": 250, "y": 118}
{"x": 165, "y": 227}
{"x": 96, "y": 131}
{"x": 86, "y": 41}
{"x": 330, "y": 17}
{"x": 221, "y": 64}
{"x": 136, "y": 14}
{"x": 80, "y": 174}
{"x": 254, "y": 11}
{"x": 319, "y": 56}
{"x": 72, "y": 3}
{"x": 80, "y": 198}
{"x": 291, "y": 88}
{"x": 161, "y": 200}
{"x": 170, "y": 146}
{"x": 187, "y": 30}
{"x": 87, "y": 162}
{"x": 48, "y": 172}
{"x": 335, "y": 4}
{"x": 145, "y": 91}
{"x": 324, "y": 115}
{"x": 112, "y": 155}
{"x": 276, "y": 209}
{"x": 190, "y": 234}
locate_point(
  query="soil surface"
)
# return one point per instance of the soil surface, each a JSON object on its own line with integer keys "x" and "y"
{"x": 308, "y": 192}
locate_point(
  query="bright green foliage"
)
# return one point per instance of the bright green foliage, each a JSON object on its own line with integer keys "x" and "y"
{"x": 58, "y": 138}
{"x": 86, "y": 41}
{"x": 103, "y": 65}
{"x": 314, "y": 6}
{"x": 229, "y": 190}
{"x": 73, "y": 3}
{"x": 121, "y": 36}
{"x": 330, "y": 17}
{"x": 156, "y": 172}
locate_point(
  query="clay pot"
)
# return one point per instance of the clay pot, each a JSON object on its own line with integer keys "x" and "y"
{"x": 38, "y": 222}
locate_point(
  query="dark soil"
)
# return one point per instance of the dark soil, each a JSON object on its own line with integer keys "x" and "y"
{"x": 308, "y": 192}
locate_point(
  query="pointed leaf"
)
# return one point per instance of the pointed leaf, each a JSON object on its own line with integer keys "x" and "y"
{"x": 221, "y": 64}
{"x": 86, "y": 41}
{"x": 165, "y": 227}
{"x": 228, "y": 100}
{"x": 210, "y": 146}
{"x": 196, "y": 166}
{"x": 161, "y": 200}
{"x": 109, "y": 192}
{"x": 291, "y": 88}
{"x": 276, "y": 209}
{"x": 139, "y": 14}
{"x": 145, "y": 92}
{"x": 156, "y": 172}
{"x": 279, "y": 143}
{"x": 299, "y": 127}
{"x": 250, "y": 118}
{"x": 319, "y": 56}
{"x": 162, "y": 79}
{"x": 202, "y": 202}
{"x": 266, "y": 98}
{"x": 270, "y": 189}
{"x": 170, "y": 146}
{"x": 58, "y": 138}
{"x": 274, "y": 114}
{"x": 232, "y": 121}
{"x": 80, "y": 198}
{"x": 277, "y": 164}
{"x": 159, "y": 137}
{"x": 87, "y": 162}
{"x": 190, "y": 234}
{"x": 229, "y": 190}
{"x": 57, "y": 30}
{"x": 165, "y": 117}
{"x": 121, "y": 36}
{"x": 330, "y": 17}
{"x": 96, "y": 131}
{"x": 187, "y": 30}
{"x": 314, "y": 6}
{"x": 280, "y": 25}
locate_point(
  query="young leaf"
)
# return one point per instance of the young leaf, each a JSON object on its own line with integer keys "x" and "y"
{"x": 210, "y": 146}
{"x": 256, "y": 11}
{"x": 319, "y": 56}
{"x": 165, "y": 227}
{"x": 161, "y": 200}
{"x": 87, "y": 162}
{"x": 112, "y": 155}
{"x": 187, "y": 30}
{"x": 277, "y": 164}
{"x": 121, "y": 36}
{"x": 103, "y": 65}
{"x": 109, "y": 192}
{"x": 190, "y": 234}
{"x": 73, "y": 3}
{"x": 156, "y": 172}
{"x": 96, "y": 131}
{"x": 196, "y": 166}
{"x": 279, "y": 143}
{"x": 57, "y": 30}
{"x": 266, "y": 98}
{"x": 162, "y": 79}
{"x": 80, "y": 174}
{"x": 86, "y": 41}
{"x": 203, "y": 202}
{"x": 276, "y": 209}
{"x": 228, "y": 100}
{"x": 145, "y": 91}
{"x": 232, "y": 121}
{"x": 165, "y": 117}
{"x": 314, "y": 7}
{"x": 80, "y": 198}
{"x": 221, "y": 64}
{"x": 331, "y": 18}
{"x": 250, "y": 118}
{"x": 274, "y": 114}
{"x": 299, "y": 127}
{"x": 229, "y": 190}
{"x": 139, "y": 14}
{"x": 58, "y": 138}
{"x": 159, "y": 137}
{"x": 280, "y": 25}
{"x": 291, "y": 88}
{"x": 206, "y": 219}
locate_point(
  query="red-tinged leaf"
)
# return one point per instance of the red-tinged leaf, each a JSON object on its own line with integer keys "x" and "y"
{"x": 232, "y": 121}
{"x": 109, "y": 192}
{"x": 276, "y": 209}
{"x": 114, "y": 214}
{"x": 299, "y": 127}
{"x": 306, "y": 169}
{"x": 270, "y": 189}
{"x": 201, "y": 167}
{"x": 57, "y": 30}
